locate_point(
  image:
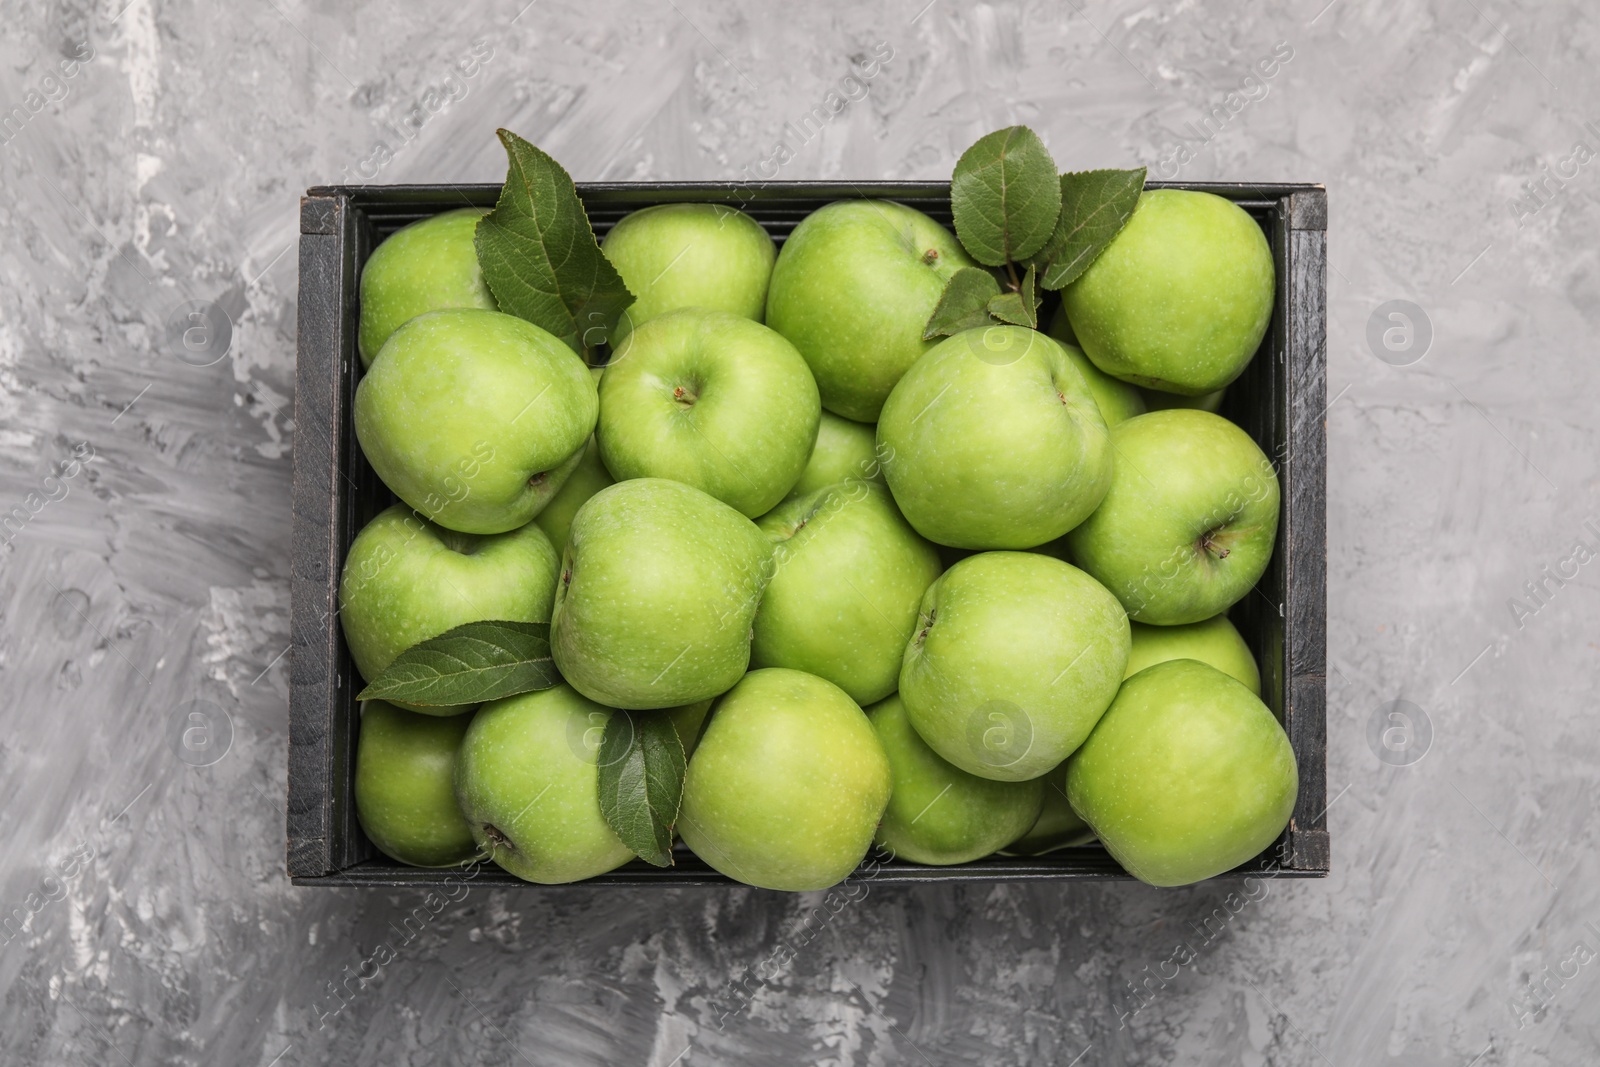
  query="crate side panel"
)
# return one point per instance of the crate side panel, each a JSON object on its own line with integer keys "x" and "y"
{"x": 317, "y": 547}
{"x": 1305, "y": 552}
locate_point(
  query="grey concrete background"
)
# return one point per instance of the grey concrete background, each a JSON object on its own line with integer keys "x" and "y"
{"x": 152, "y": 569}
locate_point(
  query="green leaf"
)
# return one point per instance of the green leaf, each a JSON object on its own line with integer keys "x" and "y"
{"x": 1095, "y": 205}
{"x": 1019, "y": 307}
{"x": 641, "y": 764}
{"x": 474, "y": 662}
{"x": 963, "y": 305}
{"x": 539, "y": 255}
{"x": 1005, "y": 196}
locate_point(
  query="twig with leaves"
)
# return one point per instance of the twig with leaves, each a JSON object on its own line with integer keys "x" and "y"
{"x": 1033, "y": 227}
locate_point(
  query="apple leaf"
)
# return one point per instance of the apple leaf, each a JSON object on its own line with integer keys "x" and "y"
{"x": 963, "y": 305}
{"x": 1005, "y": 196}
{"x": 641, "y": 765}
{"x": 471, "y": 663}
{"x": 1095, "y": 205}
{"x": 1019, "y": 307}
{"x": 539, "y": 254}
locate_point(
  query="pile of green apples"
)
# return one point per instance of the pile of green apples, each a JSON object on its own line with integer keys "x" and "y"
{"x": 955, "y": 596}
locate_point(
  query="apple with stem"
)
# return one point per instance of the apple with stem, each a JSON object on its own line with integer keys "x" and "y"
{"x": 713, "y": 400}
{"x": 1189, "y": 523}
{"x": 527, "y": 782}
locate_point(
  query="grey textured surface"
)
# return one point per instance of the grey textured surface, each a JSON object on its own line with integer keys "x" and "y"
{"x": 157, "y": 926}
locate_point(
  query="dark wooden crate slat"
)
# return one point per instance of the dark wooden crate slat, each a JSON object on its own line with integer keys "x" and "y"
{"x": 1278, "y": 401}
{"x": 639, "y": 194}
{"x": 318, "y": 733}
{"x": 1069, "y": 864}
{"x": 1305, "y": 525}
{"x": 393, "y": 206}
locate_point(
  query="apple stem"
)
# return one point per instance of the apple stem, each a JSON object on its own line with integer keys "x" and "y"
{"x": 1209, "y": 544}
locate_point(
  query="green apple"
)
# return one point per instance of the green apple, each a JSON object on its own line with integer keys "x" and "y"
{"x": 1156, "y": 400}
{"x": 853, "y": 288}
{"x": 406, "y": 579}
{"x": 1188, "y": 526}
{"x": 675, "y": 256}
{"x": 1057, "y": 826}
{"x": 848, "y": 574}
{"x": 844, "y": 451}
{"x": 527, "y": 781}
{"x": 587, "y": 478}
{"x": 1215, "y": 641}
{"x": 659, "y": 588}
{"x": 475, "y": 418}
{"x": 426, "y": 266}
{"x": 1181, "y": 298}
{"x": 404, "y": 796}
{"x": 1016, "y": 656}
{"x": 711, "y": 399}
{"x": 1187, "y": 775}
{"x": 787, "y": 785}
{"x": 993, "y": 440}
{"x": 1116, "y": 399}
{"x": 938, "y": 813}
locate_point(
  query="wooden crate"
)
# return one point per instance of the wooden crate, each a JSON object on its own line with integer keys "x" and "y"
{"x": 1280, "y": 401}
